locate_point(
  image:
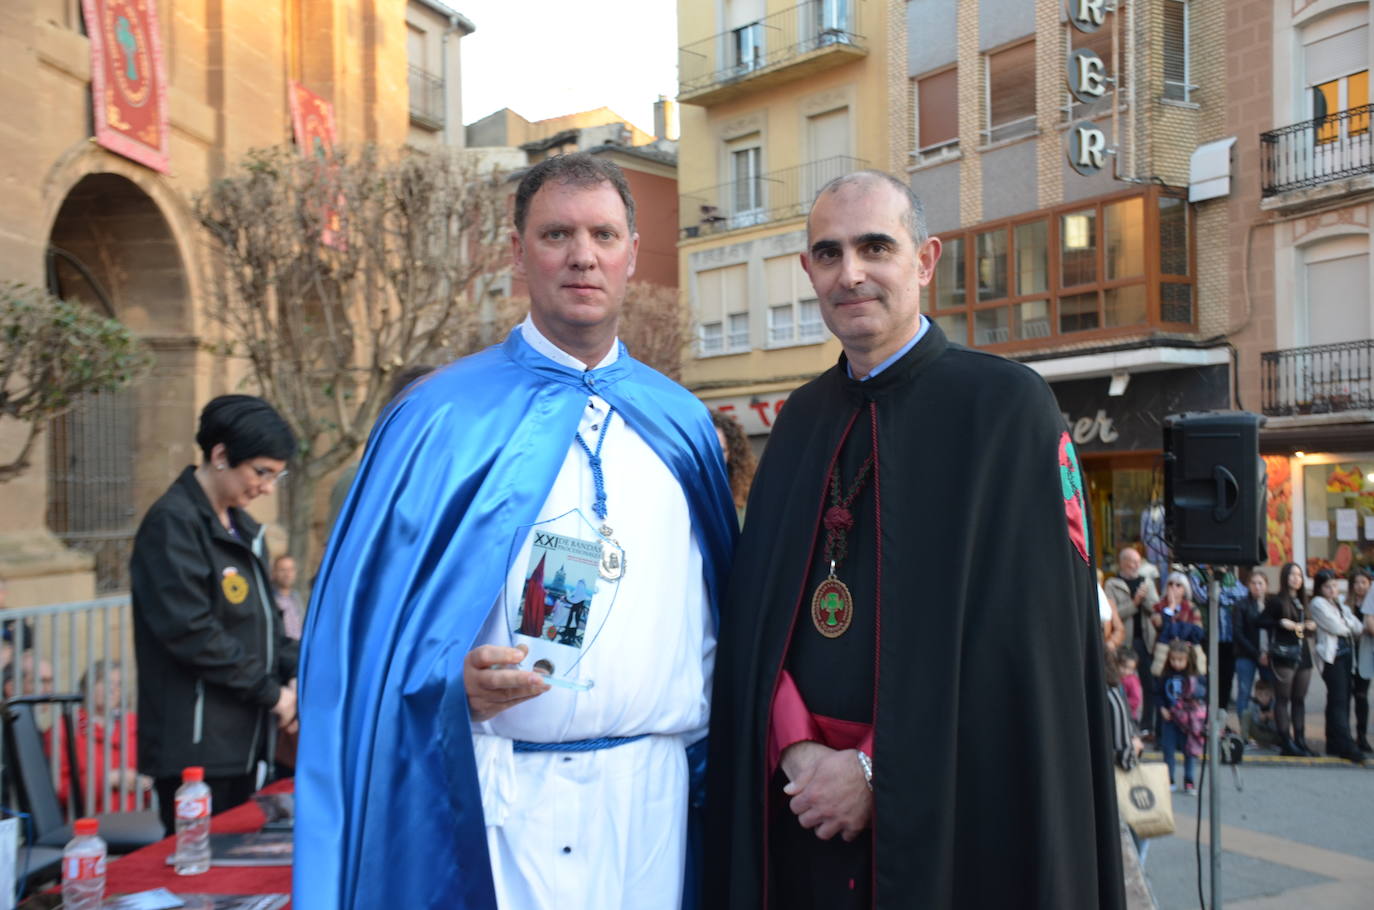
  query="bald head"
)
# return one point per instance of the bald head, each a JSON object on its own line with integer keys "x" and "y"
{"x": 914, "y": 219}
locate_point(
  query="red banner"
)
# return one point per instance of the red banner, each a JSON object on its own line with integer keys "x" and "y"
{"x": 312, "y": 118}
{"x": 128, "y": 80}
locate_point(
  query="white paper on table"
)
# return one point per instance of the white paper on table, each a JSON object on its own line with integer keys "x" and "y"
{"x": 1347, "y": 524}
{"x": 1369, "y": 527}
{"x": 1318, "y": 528}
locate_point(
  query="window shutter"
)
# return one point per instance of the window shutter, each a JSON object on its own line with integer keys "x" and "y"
{"x": 1175, "y": 49}
{"x": 1339, "y": 55}
{"x": 1011, "y": 84}
{"x": 938, "y": 106}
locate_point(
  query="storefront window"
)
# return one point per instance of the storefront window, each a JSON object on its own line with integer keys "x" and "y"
{"x": 1339, "y": 506}
{"x": 992, "y": 265}
{"x": 1032, "y": 320}
{"x": 1125, "y": 305}
{"x": 990, "y": 326}
{"x": 1032, "y": 257}
{"x": 949, "y": 275}
{"x": 1078, "y": 313}
{"x": 955, "y": 327}
{"x": 1125, "y": 230}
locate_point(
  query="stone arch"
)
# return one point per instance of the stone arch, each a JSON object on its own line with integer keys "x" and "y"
{"x": 113, "y": 244}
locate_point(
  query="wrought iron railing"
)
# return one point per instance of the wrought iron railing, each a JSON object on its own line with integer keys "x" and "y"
{"x": 768, "y": 43}
{"x": 1322, "y": 379}
{"x": 760, "y": 198}
{"x": 1312, "y": 152}
{"x": 426, "y": 97}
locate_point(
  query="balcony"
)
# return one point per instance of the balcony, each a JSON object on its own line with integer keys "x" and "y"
{"x": 1323, "y": 379}
{"x": 759, "y": 199}
{"x": 426, "y": 98}
{"x": 812, "y": 36}
{"x": 1312, "y": 153}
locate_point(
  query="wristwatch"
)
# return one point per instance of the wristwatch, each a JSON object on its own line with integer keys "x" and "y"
{"x": 867, "y": 764}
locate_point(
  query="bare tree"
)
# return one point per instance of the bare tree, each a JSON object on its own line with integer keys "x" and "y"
{"x": 654, "y": 325}
{"x": 53, "y": 353}
{"x": 338, "y": 273}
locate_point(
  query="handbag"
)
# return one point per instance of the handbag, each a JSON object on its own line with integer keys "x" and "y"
{"x": 1142, "y": 796}
{"x": 1289, "y": 652}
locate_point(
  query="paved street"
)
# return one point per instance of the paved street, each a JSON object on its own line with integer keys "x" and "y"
{"x": 1298, "y": 835}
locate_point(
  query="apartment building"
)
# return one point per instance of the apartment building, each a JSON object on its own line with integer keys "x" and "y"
{"x": 1298, "y": 77}
{"x": 434, "y": 32}
{"x": 777, "y": 99}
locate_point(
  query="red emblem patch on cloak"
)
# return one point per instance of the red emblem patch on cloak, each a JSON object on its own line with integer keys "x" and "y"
{"x": 1071, "y": 485}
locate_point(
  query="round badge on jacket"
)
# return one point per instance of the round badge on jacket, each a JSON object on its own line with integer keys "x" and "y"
{"x": 235, "y": 586}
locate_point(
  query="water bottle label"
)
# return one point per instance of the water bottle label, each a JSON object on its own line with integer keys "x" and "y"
{"x": 193, "y": 807}
{"x": 78, "y": 868}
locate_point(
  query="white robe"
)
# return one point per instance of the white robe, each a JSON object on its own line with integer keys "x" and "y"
{"x": 607, "y": 829}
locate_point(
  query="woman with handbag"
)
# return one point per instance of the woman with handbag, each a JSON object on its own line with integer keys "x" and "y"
{"x": 1337, "y": 627}
{"x": 1287, "y": 619}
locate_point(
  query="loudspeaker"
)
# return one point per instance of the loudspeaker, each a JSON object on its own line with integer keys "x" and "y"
{"x": 1214, "y": 488}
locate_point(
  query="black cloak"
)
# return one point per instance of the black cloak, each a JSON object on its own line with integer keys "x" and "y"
{"x": 993, "y": 776}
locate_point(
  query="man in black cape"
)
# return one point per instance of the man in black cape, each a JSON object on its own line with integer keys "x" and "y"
{"x": 909, "y": 705}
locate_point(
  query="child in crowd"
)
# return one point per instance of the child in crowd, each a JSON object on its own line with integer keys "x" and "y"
{"x": 1181, "y": 694}
{"x": 1127, "y": 660}
{"x": 1258, "y": 724}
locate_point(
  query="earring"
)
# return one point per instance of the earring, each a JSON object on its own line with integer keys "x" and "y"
{"x": 219, "y": 467}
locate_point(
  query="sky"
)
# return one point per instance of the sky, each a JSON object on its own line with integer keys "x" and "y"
{"x": 545, "y": 58}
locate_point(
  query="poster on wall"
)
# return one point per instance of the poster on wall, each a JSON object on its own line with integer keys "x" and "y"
{"x": 1279, "y": 523}
{"x": 128, "y": 80}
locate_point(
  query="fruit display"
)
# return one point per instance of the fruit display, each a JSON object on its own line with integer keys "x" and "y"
{"x": 1279, "y": 510}
{"x": 1345, "y": 478}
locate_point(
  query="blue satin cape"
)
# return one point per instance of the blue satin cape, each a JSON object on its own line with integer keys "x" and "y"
{"x": 388, "y": 810}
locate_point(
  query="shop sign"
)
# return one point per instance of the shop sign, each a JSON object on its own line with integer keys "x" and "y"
{"x": 1134, "y": 421}
{"x": 1088, "y": 81}
{"x": 129, "y": 80}
{"x": 756, "y": 413}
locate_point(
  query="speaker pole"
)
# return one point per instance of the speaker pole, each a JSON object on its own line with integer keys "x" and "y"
{"x": 1213, "y": 723}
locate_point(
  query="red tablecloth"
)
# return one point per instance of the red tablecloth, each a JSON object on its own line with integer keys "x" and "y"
{"x": 146, "y": 869}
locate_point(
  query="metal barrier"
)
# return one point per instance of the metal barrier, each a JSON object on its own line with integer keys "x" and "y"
{"x": 1312, "y": 152}
{"x": 760, "y": 198}
{"x": 1322, "y": 379}
{"x": 771, "y": 42}
{"x": 77, "y": 647}
{"x": 426, "y": 97}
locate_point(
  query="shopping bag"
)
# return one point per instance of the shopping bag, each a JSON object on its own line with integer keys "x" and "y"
{"x": 1142, "y": 796}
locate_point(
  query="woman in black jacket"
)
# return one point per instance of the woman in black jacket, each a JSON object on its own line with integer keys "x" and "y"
{"x": 215, "y": 665}
{"x": 1247, "y": 617}
{"x": 1290, "y": 654}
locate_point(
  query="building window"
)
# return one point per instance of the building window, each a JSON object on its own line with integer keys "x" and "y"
{"x": 936, "y": 116}
{"x": 722, "y": 308}
{"x": 1084, "y": 267}
{"x": 1010, "y": 88}
{"x": 1339, "y": 96}
{"x": 748, "y": 48}
{"x": 746, "y": 178}
{"x": 794, "y": 314}
{"x": 1178, "y": 82}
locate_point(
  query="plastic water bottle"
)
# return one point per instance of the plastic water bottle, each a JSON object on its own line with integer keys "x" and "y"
{"x": 83, "y": 868}
{"x": 193, "y": 823}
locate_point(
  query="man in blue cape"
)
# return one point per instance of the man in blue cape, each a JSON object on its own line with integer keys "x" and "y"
{"x": 437, "y": 768}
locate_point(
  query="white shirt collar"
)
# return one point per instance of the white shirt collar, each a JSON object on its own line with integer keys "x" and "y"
{"x": 536, "y": 340}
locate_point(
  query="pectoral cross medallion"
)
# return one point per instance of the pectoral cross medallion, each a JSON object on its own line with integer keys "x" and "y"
{"x": 832, "y": 608}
